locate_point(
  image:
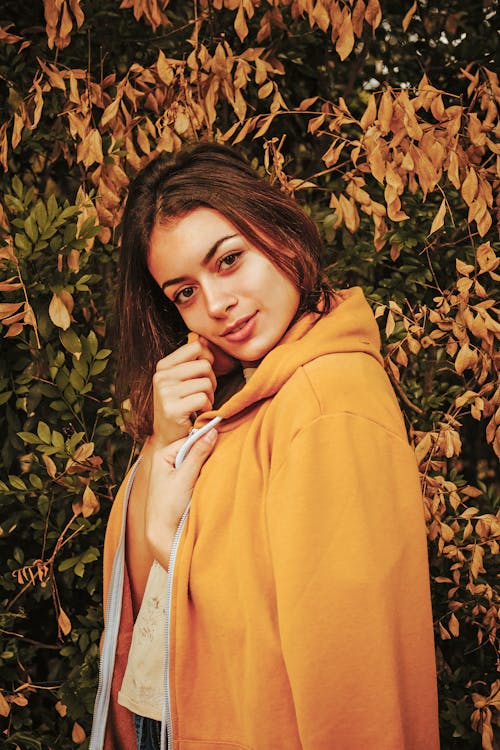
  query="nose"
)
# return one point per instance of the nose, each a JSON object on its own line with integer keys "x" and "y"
{"x": 219, "y": 300}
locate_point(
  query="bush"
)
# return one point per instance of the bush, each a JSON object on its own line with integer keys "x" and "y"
{"x": 398, "y": 164}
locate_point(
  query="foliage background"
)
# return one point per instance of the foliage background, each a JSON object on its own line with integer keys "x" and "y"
{"x": 383, "y": 122}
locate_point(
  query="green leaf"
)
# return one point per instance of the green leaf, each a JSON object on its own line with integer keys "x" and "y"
{"x": 52, "y": 207}
{"x": 29, "y": 437}
{"x": 4, "y": 397}
{"x": 31, "y": 228}
{"x": 91, "y": 555}
{"x": 70, "y": 341}
{"x": 17, "y": 187}
{"x": 105, "y": 430}
{"x": 70, "y": 562}
{"x": 81, "y": 366}
{"x": 93, "y": 343}
{"x": 69, "y": 233}
{"x": 57, "y": 440}
{"x": 16, "y": 482}
{"x": 58, "y": 405}
{"x": 103, "y": 353}
{"x": 43, "y": 431}
{"x": 76, "y": 380}
{"x": 22, "y": 242}
{"x": 98, "y": 367}
{"x": 35, "y": 481}
{"x": 79, "y": 569}
{"x": 40, "y": 214}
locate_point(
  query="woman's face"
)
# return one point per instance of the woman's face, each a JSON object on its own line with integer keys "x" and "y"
{"x": 224, "y": 288}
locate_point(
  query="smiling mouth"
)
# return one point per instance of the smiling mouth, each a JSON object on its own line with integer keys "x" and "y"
{"x": 241, "y": 330}
{"x": 238, "y": 326}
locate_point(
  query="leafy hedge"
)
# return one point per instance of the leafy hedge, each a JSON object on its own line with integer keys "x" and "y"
{"x": 384, "y": 123}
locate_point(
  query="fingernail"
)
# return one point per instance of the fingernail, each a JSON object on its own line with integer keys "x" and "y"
{"x": 210, "y": 436}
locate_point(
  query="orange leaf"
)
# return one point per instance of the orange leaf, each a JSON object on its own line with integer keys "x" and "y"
{"x": 445, "y": 636}
{"x": 373, "y": 13}
{"x": 453, "y": 173}
{"x": 390, "y": 324}
{"x": 61, "y": 709}
{"x": 110, "y": 112}
{"x": 469, "y": 186}
{"x": 486, "y": 257}
{"x": 369, "y": 114}
{"x": 409, "y": 15}
{"x": 345, "y": 41}
{"x": 423, "y": 448}
{"x": 240, "y": 24}
{"x": 477, "y": 561}
{"x": 465, "y": 359}
{"x": 385, "y": 112}
{"x": 4, "y": 706}
{"x": 453, "y": 625}
{"x": 464, "y": 269}
{"x": 439, "y": 217}
{"x": 49, "y": 465}
{"x": 90, "y": 503}
{"x": 78, "y": 733}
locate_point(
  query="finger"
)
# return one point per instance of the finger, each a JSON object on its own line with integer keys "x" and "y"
{"x": 185, "y": 353}
{"x": 163, "y": 457}
{"x": 197, "y": 402}
{"x": 169, "y": 399}
{"x": 197, "y": 368}
{"x": 192, "y": 464}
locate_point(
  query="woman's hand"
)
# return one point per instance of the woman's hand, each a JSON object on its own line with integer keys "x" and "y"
{"x": 169, "y": 492}
{"x": 184, "y": 383}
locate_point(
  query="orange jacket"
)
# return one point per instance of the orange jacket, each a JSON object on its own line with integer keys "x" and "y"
{"x": 300, "y": 609}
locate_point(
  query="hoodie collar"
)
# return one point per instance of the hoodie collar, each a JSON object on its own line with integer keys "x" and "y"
{"x": 349, "y": 327}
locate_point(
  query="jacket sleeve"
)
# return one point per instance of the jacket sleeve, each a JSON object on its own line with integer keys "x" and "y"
{"x": 348, "y": 548}
{"x": 120, "y": 732}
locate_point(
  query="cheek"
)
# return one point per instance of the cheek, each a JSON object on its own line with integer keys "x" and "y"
{"x": 194, "y": 319}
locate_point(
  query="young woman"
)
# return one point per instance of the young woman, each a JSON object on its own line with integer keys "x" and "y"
{"x": 266, "y": 580}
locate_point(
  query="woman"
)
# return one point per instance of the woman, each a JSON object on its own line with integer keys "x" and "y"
{"x": 277, "y": 576}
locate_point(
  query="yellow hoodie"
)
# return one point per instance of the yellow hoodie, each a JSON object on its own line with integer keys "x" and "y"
{"x": 300, "y": 610}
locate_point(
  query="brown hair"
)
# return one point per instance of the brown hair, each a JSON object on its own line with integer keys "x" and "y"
{"x": 214, "y": 176}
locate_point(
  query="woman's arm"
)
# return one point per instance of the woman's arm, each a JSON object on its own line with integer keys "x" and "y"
{"x": 184, "y": 382}
{"x": 348, "y": 547}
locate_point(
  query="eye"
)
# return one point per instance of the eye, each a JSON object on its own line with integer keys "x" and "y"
{"x": 183, "y": 295}
{"x": 228, "y": 260}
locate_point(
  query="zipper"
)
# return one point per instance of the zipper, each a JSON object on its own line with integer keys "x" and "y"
{"x": 113, "y": 614}
{"x": 167, "y": 734}
{"x": 167, "y": 738}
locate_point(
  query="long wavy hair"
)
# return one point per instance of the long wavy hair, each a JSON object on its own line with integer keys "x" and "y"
{"x": 148, "y": 325}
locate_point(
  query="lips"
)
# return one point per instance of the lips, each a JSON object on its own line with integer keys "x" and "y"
{"x": 241, "y": 330}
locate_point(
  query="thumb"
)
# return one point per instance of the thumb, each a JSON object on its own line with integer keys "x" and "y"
{"x": 191, "y": 466}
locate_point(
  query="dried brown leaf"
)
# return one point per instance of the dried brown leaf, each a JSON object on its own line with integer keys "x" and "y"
{"x": 58, "y": 312}
{"x": 64, "y": 622}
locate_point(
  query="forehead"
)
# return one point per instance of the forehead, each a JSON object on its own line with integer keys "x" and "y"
{"x": 182, "y": 244}
{"x": 197, "y": 228}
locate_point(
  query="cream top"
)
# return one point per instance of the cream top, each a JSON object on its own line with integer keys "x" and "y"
{"x": 142, "y": 686}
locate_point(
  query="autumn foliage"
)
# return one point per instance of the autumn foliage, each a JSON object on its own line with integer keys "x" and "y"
{"x": 389, "y": 137}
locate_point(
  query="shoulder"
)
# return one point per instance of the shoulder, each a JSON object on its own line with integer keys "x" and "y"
{"x": 342, "y": 383}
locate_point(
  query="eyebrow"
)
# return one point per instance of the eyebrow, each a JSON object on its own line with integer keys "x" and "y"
{"x": 208, "y": 257}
